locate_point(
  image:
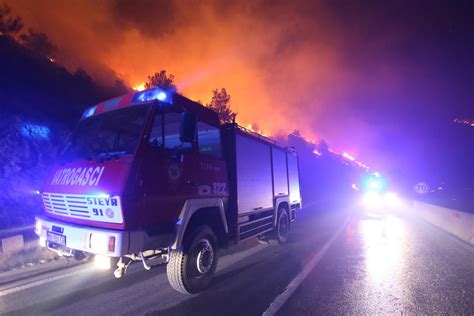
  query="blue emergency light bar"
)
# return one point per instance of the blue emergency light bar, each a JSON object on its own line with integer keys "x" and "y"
{"x": 153, "y": 94}
{"x": 89, "y": 112}
{"x": 143, "y": 96}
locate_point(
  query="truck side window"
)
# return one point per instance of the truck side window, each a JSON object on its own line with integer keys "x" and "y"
{"x": 171, "y": 123}
{"x": 156, "y": 134}
{"x": 172, "y": 130}
{"x": 209, "y": 139}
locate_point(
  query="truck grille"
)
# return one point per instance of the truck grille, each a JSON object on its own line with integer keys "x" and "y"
{"x": 66, "y": 205}
{"x": 88, "y": 207}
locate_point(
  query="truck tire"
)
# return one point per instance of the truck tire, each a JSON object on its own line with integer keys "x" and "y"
{"x": 279, "y": 235}
{"x": 191, "y": 268}
{"x": 283, "y": 226}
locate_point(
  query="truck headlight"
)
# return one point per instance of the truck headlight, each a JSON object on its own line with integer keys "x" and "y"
{"x": 102, "y": 242}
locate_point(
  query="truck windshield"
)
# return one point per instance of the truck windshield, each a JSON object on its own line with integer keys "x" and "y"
{"x": 111, "y": 134}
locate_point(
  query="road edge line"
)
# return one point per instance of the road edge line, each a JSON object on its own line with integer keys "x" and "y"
{"x": 281, "y": 299}
{"x": 28, "y": 285}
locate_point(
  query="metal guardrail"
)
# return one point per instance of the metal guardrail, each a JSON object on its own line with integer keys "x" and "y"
{"x": 4, "y": 233}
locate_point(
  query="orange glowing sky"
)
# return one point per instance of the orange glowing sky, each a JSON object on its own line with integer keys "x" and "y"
{"x": 332, "y": 71}
{"x": 216, "y": 46}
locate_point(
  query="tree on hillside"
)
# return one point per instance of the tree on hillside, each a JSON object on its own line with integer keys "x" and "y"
{"x": 161, "y": 80}
{"x": 9, "y": 26}
{"x": 296, "y": 133}
{"x": 39, "y": 43}
{"x": 322, "y": 147}
{"x": 220, "y": 103}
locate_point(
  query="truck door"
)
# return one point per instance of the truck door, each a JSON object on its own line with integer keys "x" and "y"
{"x": 168, "y": 171}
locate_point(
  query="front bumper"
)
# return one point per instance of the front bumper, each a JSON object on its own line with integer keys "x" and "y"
{"x": 98, "y": 241}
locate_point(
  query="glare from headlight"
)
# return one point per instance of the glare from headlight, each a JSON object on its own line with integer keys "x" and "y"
{"x": 391, "y": 199}
{"x": 372, "y": 200}
{"x": 42, "y": 242}
{"x": 102, "y": 262}
{"x": 99, "y": 242}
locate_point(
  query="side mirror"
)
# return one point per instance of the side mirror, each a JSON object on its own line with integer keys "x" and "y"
{"x": 187, "y": 130}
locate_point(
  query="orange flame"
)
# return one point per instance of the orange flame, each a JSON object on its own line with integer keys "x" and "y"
{"x": 139, "y": 87}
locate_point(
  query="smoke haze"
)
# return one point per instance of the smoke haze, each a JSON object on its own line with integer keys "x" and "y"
{"x": 373, "y": 80}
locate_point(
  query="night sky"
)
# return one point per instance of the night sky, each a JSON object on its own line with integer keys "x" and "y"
{"x": 381, "y": 80}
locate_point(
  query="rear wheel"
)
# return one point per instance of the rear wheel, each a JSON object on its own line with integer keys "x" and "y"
{"x": 280, "y": 234}
{"x": 283, "y": 226}
{"x": 191, "y": 268}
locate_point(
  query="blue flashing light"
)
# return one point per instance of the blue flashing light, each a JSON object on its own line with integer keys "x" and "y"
{"x": 161, "y": 96}
{"x": 373, "y": 183}
{"x": 88, "y": 112}
{"x": 153, "y": 94}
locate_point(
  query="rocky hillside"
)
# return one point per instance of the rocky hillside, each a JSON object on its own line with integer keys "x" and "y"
{"x": 40, "y": 102}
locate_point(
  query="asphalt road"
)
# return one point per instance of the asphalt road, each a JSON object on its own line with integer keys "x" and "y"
{"x": 372, "y": 264}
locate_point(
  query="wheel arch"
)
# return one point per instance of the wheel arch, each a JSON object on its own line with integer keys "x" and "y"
{"x": 196, "y": 212}
{"x": 279, "y": 203}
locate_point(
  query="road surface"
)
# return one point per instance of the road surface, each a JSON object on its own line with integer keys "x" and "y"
{"x": 339, "y": 260}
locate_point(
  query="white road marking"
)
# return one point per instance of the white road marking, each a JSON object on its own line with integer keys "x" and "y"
{"x": 280, "y": 300}
{"x": 36, "y": 283}
{"x": 225, "y": 262}
{"x": 157, "y": 287}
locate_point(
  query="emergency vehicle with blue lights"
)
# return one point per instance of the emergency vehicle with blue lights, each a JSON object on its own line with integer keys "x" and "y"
{"x": 153, "y": 175}
{"x": 376, "y": 198}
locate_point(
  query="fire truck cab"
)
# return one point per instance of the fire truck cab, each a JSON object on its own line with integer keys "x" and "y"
{"x": 154, "y": 175}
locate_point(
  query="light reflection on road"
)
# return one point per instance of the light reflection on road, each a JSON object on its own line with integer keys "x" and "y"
{"x": 379, "y": 283}
{"x": 383, "y": 241}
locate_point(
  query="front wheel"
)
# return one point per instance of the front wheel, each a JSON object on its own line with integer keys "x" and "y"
{"x": 191, "y": 268}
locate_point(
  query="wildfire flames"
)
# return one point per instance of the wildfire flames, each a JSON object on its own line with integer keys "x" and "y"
{"x": 139, "y": 87}
{"x": 205, "y": 46}
{"x": 299, "y": 65}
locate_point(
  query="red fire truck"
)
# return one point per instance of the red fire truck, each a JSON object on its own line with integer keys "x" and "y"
{"x": 154, "y": 175}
